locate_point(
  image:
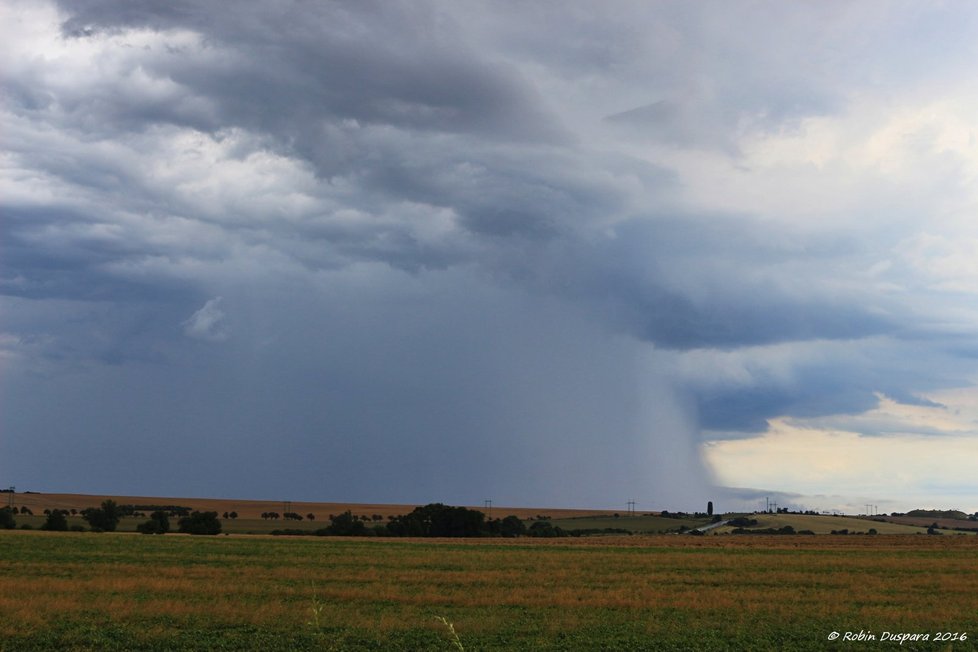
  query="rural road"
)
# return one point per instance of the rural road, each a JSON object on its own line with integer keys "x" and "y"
{"x": 707, "y": 528}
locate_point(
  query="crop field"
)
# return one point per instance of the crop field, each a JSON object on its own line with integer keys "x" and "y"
{"x": 84, "y": 591}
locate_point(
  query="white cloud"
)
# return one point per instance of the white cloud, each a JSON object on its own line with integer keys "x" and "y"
{"x": 209, "y": 323}
{"x": 904, "y": 456}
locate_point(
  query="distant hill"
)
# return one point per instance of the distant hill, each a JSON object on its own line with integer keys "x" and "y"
{"x": 938, "y": 513}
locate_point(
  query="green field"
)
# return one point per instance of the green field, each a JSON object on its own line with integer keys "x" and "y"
{"x": 826, "y": 524}
{"x": 84, "y": 591}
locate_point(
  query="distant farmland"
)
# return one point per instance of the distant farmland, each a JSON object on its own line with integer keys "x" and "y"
{"x": 252, "y": 509}
{"x": 250, "y": 521}
{"x": 85, "y": 591}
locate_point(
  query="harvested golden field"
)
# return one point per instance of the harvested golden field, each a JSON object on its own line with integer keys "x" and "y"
{"x": 123, "y": 592}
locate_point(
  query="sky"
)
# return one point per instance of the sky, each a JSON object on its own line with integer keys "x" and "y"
{"x": 544, "y": 254}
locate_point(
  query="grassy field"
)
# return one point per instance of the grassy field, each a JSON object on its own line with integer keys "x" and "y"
{"x": 132, "y": 592}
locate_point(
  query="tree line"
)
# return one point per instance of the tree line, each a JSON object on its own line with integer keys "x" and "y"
{"x": 105, "y": 518}
{"x": 432, "y": 520}
{"x": 439, "y": 520}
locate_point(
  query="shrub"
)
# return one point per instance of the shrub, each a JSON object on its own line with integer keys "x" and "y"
{"x": 546, "y": 530}
{"x": 103, "y": 519}
{"x": 512, "y": 526}
{"x": 345, "y": 525}
{"x": 743, "y": 521}
{"x": 56, "y": 521}
{"x": 158, "y": 523}
{"x": 200, "y": 523}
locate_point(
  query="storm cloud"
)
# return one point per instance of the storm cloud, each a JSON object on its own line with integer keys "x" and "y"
{"x": 430, "y": 251}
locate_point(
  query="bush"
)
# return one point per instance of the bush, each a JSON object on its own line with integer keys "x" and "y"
{"x": 200, "y": 523}
{"x": 546, "y": 530}
{"x": 158, "y": 523}
{"x": 103, "y": 519}
{"x": 56, "y": 521}
{"x": 742, "y": 521}
{"x": 512, "y": 526}
{"x": 344, "y": 525}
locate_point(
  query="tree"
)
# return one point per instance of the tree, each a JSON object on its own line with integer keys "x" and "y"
{"x": 56, "y": 521}
{"x": 438, "y": 520}
{"x": 345, "y": 525}
{"x": 158, "y": 523}
{"x": 103, "y": 519}
{"x": 233, "y": 515}
{"x": 512, "y": 526}
{"x": 709, "y": 508}
{"x": 200, "y": 523}
{"x": 7, "y": 521}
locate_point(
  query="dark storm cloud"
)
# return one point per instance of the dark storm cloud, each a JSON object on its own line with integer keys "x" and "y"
{"x": 58, "y": 253}
{"x": 388, "y": 236}
{"x": 377, "y": 63}
{"x": 682, "y": 282}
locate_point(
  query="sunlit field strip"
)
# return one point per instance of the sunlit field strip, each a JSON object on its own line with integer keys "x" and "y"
{"x": 68, "y": 590}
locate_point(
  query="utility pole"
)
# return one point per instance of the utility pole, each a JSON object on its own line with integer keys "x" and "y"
{"x": 10, "y": 497}
{"x": 767, "y": 505}
{"x": 488, "y": 505}
{"x": 631, "y": 508}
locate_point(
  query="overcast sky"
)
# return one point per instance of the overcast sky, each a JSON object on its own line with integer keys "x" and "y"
{"x": 550, "y": 253}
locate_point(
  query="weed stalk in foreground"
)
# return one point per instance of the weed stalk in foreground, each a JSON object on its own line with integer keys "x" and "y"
{"x": 317, "y": 612}
{"x": 452, "y": 634}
